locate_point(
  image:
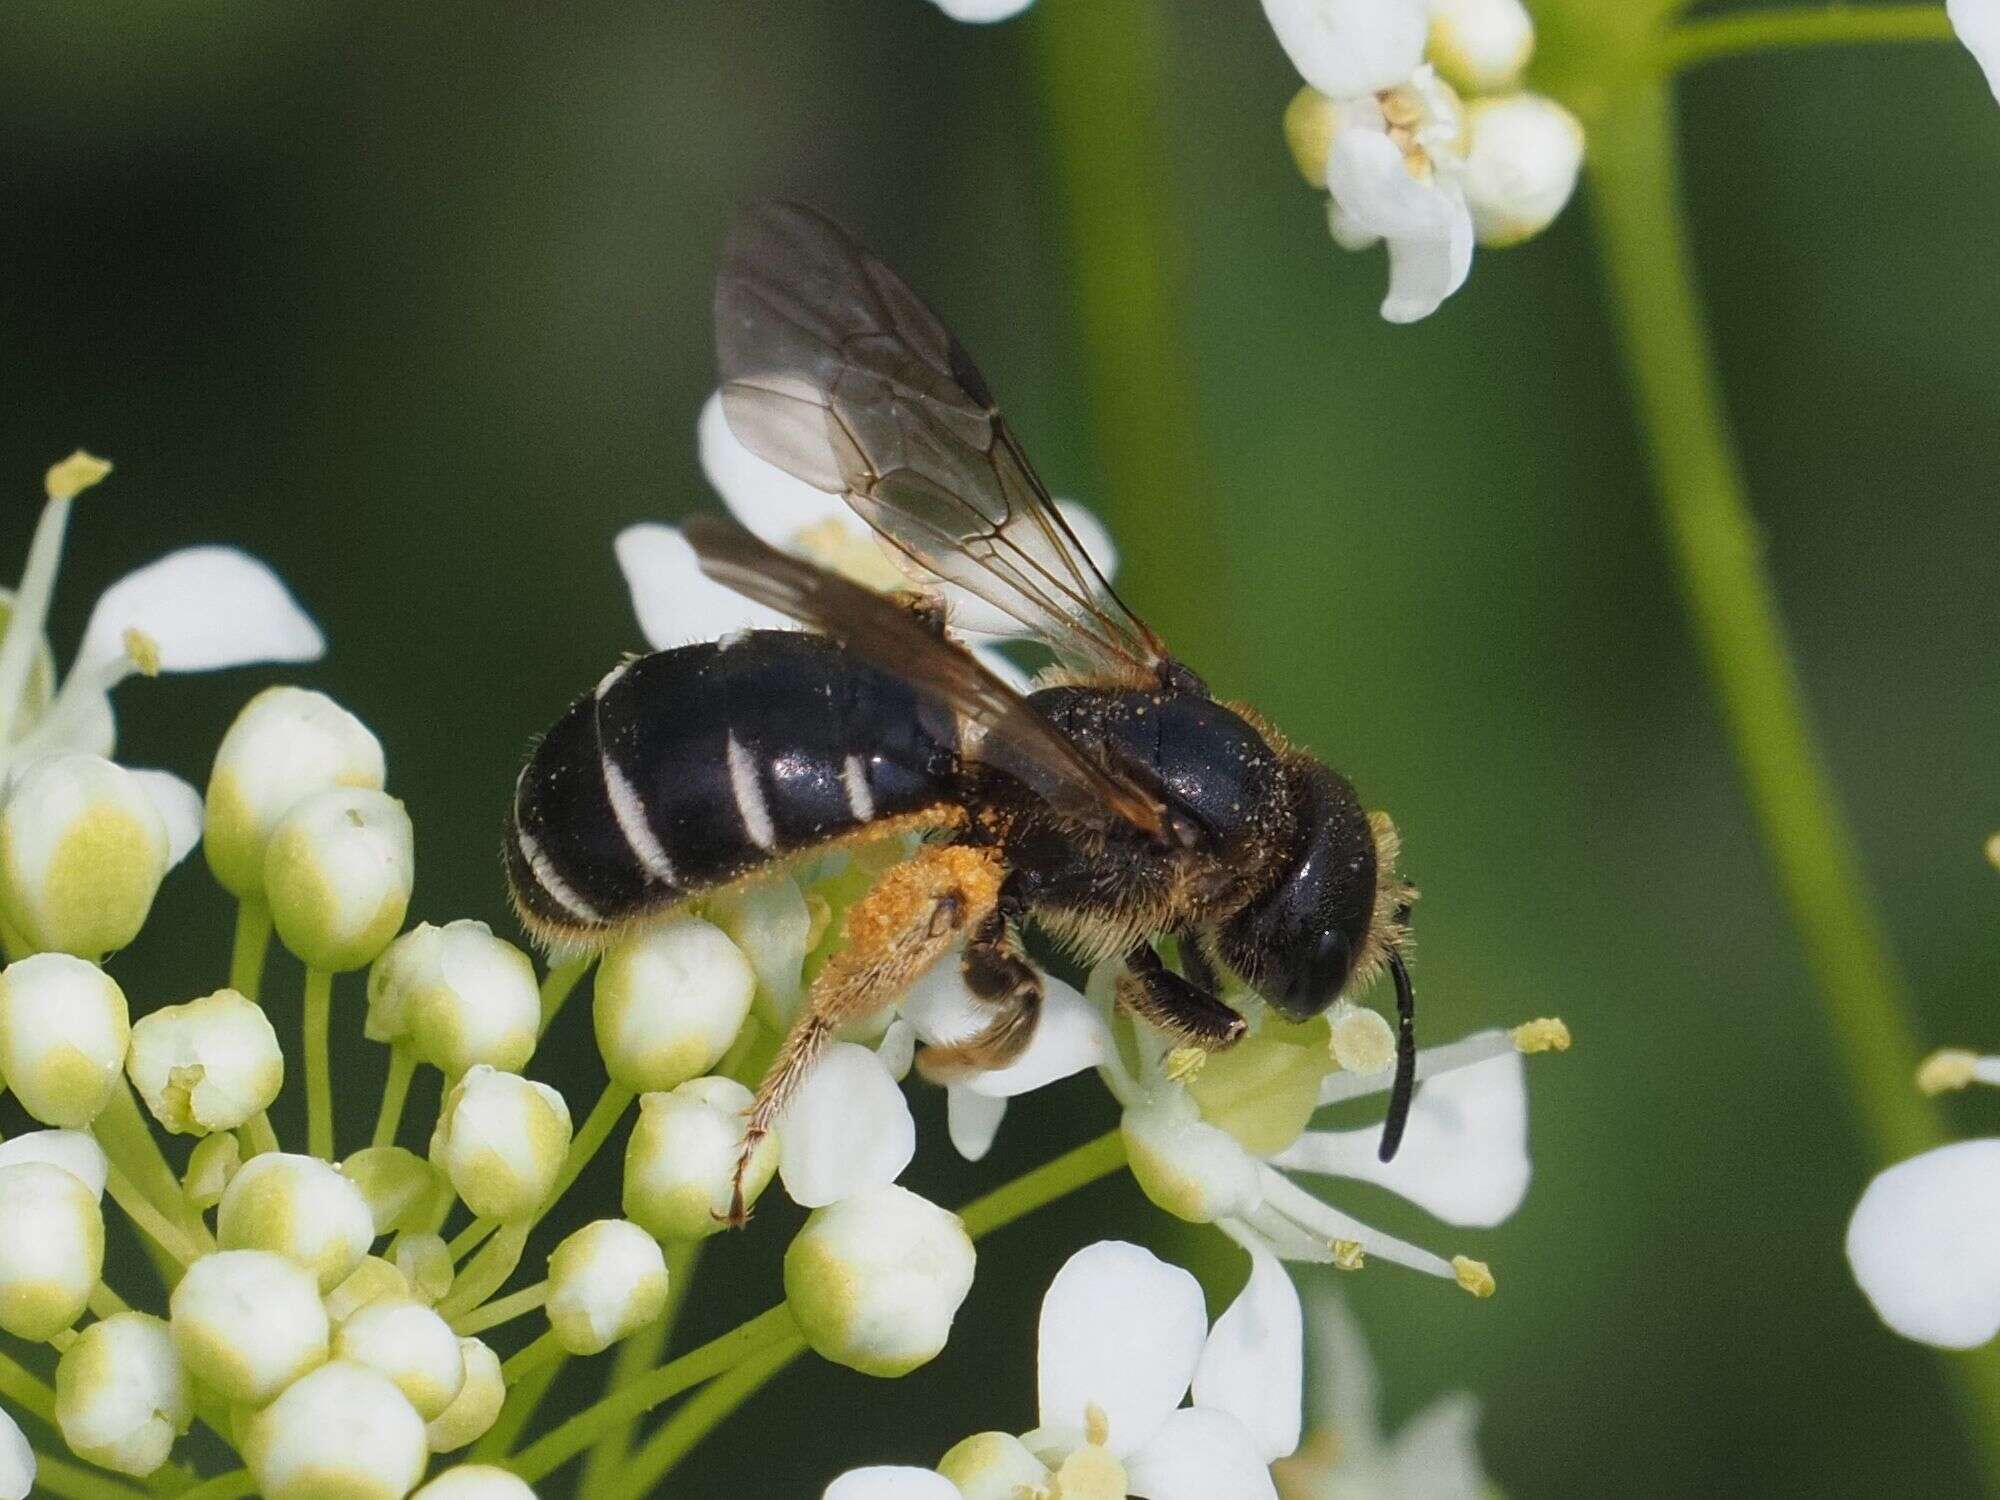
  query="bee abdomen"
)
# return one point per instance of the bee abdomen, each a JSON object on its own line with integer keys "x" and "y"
{"x": 686, "y": 769}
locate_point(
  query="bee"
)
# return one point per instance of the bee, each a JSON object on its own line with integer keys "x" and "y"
{"x": 1115, "y": 804}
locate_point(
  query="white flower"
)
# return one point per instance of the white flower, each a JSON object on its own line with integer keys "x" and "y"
{"x": 342, "y": 1430}
{"x": 471, "y": 1415}
{"x": 194, "y": 610}
{"x": 1481, "y": 44}
{"x": 1924, "y": 1244}
{"x": 410, "y": 1344}
{"x": 876, "y": 1279}
{"x": 458, "y": 995}
{"x": 1124, "y": 1339}
{"x": 680, "y": 1164}
{"x": 285, "y": 744}
{"x": 606, "y": 1282}
{"x": 207, "y": 1065}
{"x": 75, "y": 1151}
{"x": 1521, "y": 163}
{"x": 17, "y": 1461}
{"x": 1977, "y": 23}
{"x": 83, "y": 849}
{"x": 847, "y": 1129}
{"x": 301, "y": 1208}
{"x": 1394, "y": 167}
{"x": 476, "y": 1482}
{"x": 1346, "y": 1454}
{"x": 121, "y": 1394}
{"x": 63, "y": 1032}
{"x": 1346, "y": 48}
{"x": 983, "y": 11}
{"x": 669, "y": 1001}
{"x": 51, "y": 1248}
{"x": 248, "y": 1323}
{"x": 337, "y": 872}
{"x": 501, "y": 1140}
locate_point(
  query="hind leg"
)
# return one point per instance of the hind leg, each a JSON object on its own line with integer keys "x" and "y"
{"x": 905, "y": 923}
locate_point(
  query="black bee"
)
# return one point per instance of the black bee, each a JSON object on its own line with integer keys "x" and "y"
{"x": 1116, "y": 804}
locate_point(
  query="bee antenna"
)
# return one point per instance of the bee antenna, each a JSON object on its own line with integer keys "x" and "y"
{"x": 1405, "y": 1086}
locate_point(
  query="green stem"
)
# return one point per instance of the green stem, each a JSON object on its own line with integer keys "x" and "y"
{"x": 319, "y": 1064}
{"x": 256, "y": 1136}
{"x": 502, "y": 1309}
{"x": 235, "y": 1485}
{"x": 121, "y": 1129}
{"x": 471, "y": 1238}
{"x": 638, "y": 1354}
{"x": 531, "y": 1357}
{"x": 149, "y": 1221}
{"x": 702, "y": 1414}
{"x": 1046, "y": 1183}
{"x": 253, "y": 940}
{"x": 395, "y": 1092}
{"x": 68, "y": 1481}
{"x": 590, "y": 1138}
{"x": 1712, "y": 37}
{"x": 1107, "y": 87}
{"x": 1717, "y": 553}
{"x": 487, "y": 1272}
{"x": 557, "y": 984}
{"x": 22, "y": 1388}
{"x": 523, "y": 1397}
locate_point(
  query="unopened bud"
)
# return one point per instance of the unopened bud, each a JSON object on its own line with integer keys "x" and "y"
{"x": 372, "y": 1280}
{"x": 248, "y": 1323}
{"x": 51, "y": 1249}
{"x": 771, "y": 923}
{"x": 208, "y": 1065}
{"x": 1480, "y": 45}
{"x": 669, "y": 1002}
{"x": 122, "y": 1396}
{"x": 63, "y": 1034}
{"x": 342, "y": 1430}
{"x": 472, "y": 1414}
{"x": 606, "y": 1282}
{"x": 410, "y": 1344}
{"x": 403, "y": 1190}
{"x": 994, "y": 1466}
{"x": 75, "y": 1151}
{"x": 501, "y": 1140}
{"x": 83, "y": 850}
{"x": 458, "y": 996}
{"x": 1521, "y": 166}
{"x": 680, "y": 1165}
{"x": 876, "y": 1279}
{"x": 337, "y": 873}
{"x": 1310, "y": 121}
{"x": 425, "y": 1261}
{"x": 301, "y": 1208}
{"x": 476, "y": 1482}
{"x": 213, "y": 1162}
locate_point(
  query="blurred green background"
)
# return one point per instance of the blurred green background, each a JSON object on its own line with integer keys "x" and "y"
{"x": 413, "y": 302}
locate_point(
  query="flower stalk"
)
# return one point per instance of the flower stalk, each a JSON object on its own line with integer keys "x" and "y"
{"x": 319, "y": 1064}
{"x": 1707, "y": 38}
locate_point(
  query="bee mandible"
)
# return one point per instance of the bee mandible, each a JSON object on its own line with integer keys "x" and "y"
{"x": 1115, "y": 804}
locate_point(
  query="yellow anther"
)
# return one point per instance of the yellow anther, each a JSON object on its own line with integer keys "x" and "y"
{"x": 1544, "y": 1035}
{"x": 1347, "y": 1255}
{"x": 1184, "y": 1064}
{"x": 1947, "y": 1069}
{"x": 1474, "y": 1275}
{"x": 143, "y": 652}
{"x": 1096, "y": 1425}
{"x": 74, "y": 475}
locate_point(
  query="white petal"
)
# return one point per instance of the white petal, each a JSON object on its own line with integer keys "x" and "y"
{"x": 75, "y": 1151}
{"x": 1254, "y": 1364}
{"x": 1348, "y": 47}
{"x": 1070, "y": 1035}
{"x": 1424, "y": 270}
{"x": 675, "y": 601}
{"x": 898, "y": 1048}
{"x": 940, "y": 1008}
{"x": 1120, "y": 1330}
{"x": 17, "y": 1461}
{"x": 1924, "y": 1243}
{"x": 180, "y": 807}
{"x": 973, "y": 1120}
{"x": 1977, "y": 23}
{"x": 762, "y": 496}
{"x": 1344, "y": 1385}
{"x": 1427, "y": 224}
{"x": 204, "y": 607}
{"x": 1200, "y": 1455}
{"x": 1464, "y": 1157}
{"x": 848, "y": 1128}
{"x": 1436, "y": 1455}
{"x": 891, "y": 1482}
{"x": 1094, "y": 536}
{"x": 982, "y": 11}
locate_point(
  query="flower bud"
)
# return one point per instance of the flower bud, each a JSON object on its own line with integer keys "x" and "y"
{"x": 342, "y": 1430}
{"x": 63, "y": 1033}
{"x": 769, "y": 921}
{"x": 403, "y": 1190}
{"x": 51, "y": 1249}
{"x": 501, "y": 1139}
{"x": 17, "y": 1461}
{"x": 875, "y": 1280}
{"x": 680, "y": 1164}
{"x": 472, "y": 1414}
{"x": 207, "y": 1065}
{"x": 1480, "y": 44}
{"x": 248, "y": 1323}
{"x": 1310, "y": 121}
{"x": 410, "y": 1344}
{"x": 370, "y": 1281}
{"x": 212, "y": 1164}
{"x": 1184, "y": 1164}
{"x": 286, "y": 744}
{"x": 994, "y": 1466}
{"x": 606, "y": 1281}
{"x": 301, "y": 1208}
{"x": 75, "y": 1151}
{"x": 669, "y": 1002}
{"x": 337, "y": 873}
{"x": 1521, "y": 165}
{"x": 83, "y": 850}
{"x": 476, "y": 1482}
{"x": 425, "y": 1261}
{"x": 458, "y": 995}
{"x": 121, "y": 1394}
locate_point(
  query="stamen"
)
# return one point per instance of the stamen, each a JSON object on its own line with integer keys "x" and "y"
{"x": 1184, "y": 1064}
{"x": 1329, "y": 1225}
{"x": 1481, "y": 1046}
{"x": 1096, "y": 1425}
{"x": 1954, "y": 1068}
{"x": 1547, "y": 1034}
{"x": 1347, "y": 1255}
{"x": 38, "y": 584}
{"x": 143, "y": 652}
{"x": 1473, "y": 1275}
{"x": 73, "y": 475}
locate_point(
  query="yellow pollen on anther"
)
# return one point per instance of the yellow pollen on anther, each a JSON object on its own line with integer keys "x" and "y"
{"x": 1096, "y": 1425}
{"x": 1474, "y": 1275}
{"x": 1547, "y": 1034}
{"x": 143, "y": 652}
{"x": 1347, "y": 1255}
{"x": 74, "y": 475}
{"x": 1184, "y": 1064}
{"x": 1945, "y": 1070}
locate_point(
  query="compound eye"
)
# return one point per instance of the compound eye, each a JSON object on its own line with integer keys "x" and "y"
{"x": 1318, "y": 971}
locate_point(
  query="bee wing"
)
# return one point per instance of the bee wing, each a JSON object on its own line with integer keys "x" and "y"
{"x": 836, "y": 372}
{"x": 1018, "y": 739}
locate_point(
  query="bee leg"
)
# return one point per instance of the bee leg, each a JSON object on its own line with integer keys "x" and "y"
{"x": 908, "y": 919}
{"x": 996, "y": 973}
{"x": 1160, "y": 997}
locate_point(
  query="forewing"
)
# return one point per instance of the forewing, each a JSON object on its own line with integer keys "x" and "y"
{"x": 835, "y": 371}
{"x": 1017, "y": 738}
